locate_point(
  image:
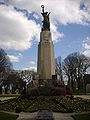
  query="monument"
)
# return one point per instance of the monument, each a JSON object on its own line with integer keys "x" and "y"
{"x": 46, "y": 63}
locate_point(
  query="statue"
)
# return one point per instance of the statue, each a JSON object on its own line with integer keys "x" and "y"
{"x": 46, "y": 22}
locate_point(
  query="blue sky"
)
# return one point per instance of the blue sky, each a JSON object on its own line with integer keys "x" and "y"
{"x": 20, "y": 26}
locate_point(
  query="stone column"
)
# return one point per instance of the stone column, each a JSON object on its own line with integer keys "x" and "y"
{"x": 46, "y": 63}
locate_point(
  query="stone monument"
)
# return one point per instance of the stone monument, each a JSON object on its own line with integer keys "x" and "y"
{"x": 46, "y": 63}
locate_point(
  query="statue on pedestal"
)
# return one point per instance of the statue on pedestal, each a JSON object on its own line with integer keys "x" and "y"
{"x": 46, "y": 22}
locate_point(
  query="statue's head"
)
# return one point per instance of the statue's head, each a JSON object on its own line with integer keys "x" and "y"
{"x": 46, "y": 13}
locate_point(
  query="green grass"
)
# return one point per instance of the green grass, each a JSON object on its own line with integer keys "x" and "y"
{"x": 82, "y": 116}
{"x": 6, "y": 116}
{"x": 9, "y": 95}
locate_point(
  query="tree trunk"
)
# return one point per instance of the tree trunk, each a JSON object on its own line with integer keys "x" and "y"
{"x": 0, "y": 89}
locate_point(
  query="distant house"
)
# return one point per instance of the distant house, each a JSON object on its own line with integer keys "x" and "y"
{"x": 87, "y": 83}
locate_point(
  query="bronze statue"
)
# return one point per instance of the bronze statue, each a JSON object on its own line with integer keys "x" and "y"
{"x": 46, "y": 22}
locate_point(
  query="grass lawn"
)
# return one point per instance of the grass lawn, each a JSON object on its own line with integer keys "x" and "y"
{"x": 82, "y": 116}
{"x": 6, "y": 116}
{"x": 6, "y": 98}
{"x": 9, "y": 95}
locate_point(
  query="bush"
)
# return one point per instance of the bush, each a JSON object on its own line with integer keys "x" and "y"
{"x": 18, "y": 109}
{"x": 34, "y": 92}
{"x": 59, "y": 91}
{"x": 45, "y": 90}
{"x": 79, "y": 92}
{"x": 68, "y": 90}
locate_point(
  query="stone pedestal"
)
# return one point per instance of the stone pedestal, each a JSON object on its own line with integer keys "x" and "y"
{"x": 46, "y": 63}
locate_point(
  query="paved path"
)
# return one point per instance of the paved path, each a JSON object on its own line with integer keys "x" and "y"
{"x": 27, "y": 116}
{"x": 62, "y": 116}
{"x": 32, "y": 116}
{"x": 83, "y": 96}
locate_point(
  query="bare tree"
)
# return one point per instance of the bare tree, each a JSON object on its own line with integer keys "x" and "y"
{"x": 26, "y": 75}
{"x": 5, "y": 66}
{"x": 15, "y": 82}
{"x": 58, "y": 67}
{"x": 75, "y": 66}
{"x": 5, "y": 63}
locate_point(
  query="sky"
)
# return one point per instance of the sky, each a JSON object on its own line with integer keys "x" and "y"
{"x": 21, "y": 22}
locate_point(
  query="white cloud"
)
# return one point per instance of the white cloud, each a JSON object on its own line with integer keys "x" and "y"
{"x": 87, "y": 53}
{"x": 20, "y": 55}
{"x": 36, "y": 16}
{"x": 86, "y": 46}
{"x": 32, "y": 62}
{"x": 31, "y": 68}
{"x": 88, "y": 70}
{"x": 56, "y": 35}
{"x": 16, "y": 31}
{"x": 86, "y": 43}
{"x": 63, "y": 11}
{"x": 14, "y": 58}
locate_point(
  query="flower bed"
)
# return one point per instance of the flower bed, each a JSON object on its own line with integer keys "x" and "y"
{"x": 55, "y": 103}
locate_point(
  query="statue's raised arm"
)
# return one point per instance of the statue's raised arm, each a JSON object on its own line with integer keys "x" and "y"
{"x": 46, "y": 22}
{"x": 42, "y": 6}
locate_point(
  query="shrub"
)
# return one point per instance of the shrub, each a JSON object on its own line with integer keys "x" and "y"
{"x": 34, "y": 92}
{"x": 60, "y": 91}
{"x": 18, "y": 109}
{"x": 45, "y": 90}
{"x": 68, "y": 90}
{"x": 79, "y": 92}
